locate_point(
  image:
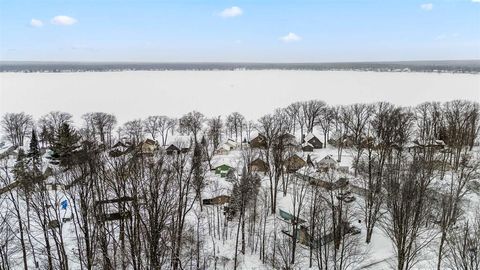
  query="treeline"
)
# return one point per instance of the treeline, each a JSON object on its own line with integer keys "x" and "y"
{"x": 413, "y": 165}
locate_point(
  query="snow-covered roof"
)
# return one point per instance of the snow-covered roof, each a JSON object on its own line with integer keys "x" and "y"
{"x": 310, "y": 136}
{"x": 328, "y": 159}
{"x": 224, "y": 147}
{"x": 231, "y": 143}
{"x": 306, "y": 144}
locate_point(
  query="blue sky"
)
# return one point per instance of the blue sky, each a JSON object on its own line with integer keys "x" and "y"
{"x": 242, "y": 30}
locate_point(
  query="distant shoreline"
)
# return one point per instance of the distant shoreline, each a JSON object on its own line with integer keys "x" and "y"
{"x": 450, "y": 66}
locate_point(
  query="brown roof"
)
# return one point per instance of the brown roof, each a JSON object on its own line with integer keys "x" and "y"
{"x": 259, "y": 165}
{"x": 294, "y": 163}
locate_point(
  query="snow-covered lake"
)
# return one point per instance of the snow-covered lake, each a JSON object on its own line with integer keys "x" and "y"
{"x": 136, "y": 94}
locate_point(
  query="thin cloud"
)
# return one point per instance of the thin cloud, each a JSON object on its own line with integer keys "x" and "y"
{"x": 476, "y": 1}
{"x": 426, "y": 6}
{"x": 231, "y": 12}
{"x": 63, "y": 20}
{"x": 36, "y": 23}
{"x": 290, "y": 37}
{"x": 447, "y": 36}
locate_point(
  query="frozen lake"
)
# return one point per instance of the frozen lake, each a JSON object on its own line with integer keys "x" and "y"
{"x": 135, "y": 94}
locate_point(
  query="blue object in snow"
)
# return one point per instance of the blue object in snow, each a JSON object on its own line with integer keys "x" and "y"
{"x": 64, "y": 204}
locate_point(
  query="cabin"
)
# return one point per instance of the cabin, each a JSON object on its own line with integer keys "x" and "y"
{"x": 122, "y": 146}
{"x": 327, "y": 163}
{"x": 223, "y": 170}
{"x": 313, "y": 140}
{"x": 294, "y": 163}
{"x": 172, "y": 149}
{"x": 306, "y": 147}
{"x": 222, "y": 150}
{"x": 219, "y": 200}
{"x": 230, "y": 144}
{"x": 258, "y": 165}
{"x": 259, "y": 142}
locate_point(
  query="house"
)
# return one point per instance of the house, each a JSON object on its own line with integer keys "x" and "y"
{"x": 259, "y": 142}
{"x": 223, "y": 170}
{"x": 222, "y": 150}
{"x": 225, "y": 148}
{"x": 219, "y": 200}
{"x": 230, "y": 144}
{"x": 313, "y": 140}
{"x": 326, "y": 163}
{"x": 122, "y": 146}
{"x": 307, "y": 147}
{"x": 148, "y": 146}
{"x": 294, "y": 163}
{"x": 172, "y": 149}
{"x": 418, "y": 144}
{"x": 258, "y": 165}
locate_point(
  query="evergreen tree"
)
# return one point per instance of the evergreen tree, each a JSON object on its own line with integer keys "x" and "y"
{"x": 20, "y": 168}
{"x": 45, "y": 137}
{"x": 65, "y": 146}
{"x": 34, "y": 151}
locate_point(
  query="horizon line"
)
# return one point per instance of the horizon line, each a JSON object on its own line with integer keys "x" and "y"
{"x": 233, "y": 62}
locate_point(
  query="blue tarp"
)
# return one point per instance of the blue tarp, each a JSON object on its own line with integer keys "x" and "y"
{"x": 64, "y": 204}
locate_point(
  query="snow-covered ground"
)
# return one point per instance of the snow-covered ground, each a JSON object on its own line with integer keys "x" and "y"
{"x": 137, "y": 94}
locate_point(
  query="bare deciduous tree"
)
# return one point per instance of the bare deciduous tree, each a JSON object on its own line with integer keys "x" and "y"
{"x": 16, "y": 127}
{"x": 192, "y": 123}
